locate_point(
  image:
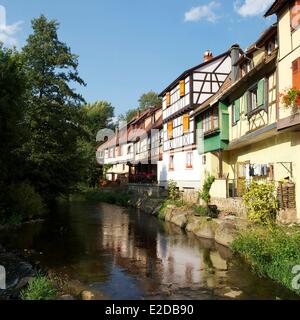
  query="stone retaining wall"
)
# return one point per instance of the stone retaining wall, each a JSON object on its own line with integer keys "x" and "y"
{"x": 231, "y": 205}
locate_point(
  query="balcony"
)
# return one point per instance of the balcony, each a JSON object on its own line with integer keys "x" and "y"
{"x": 290, "y": 123}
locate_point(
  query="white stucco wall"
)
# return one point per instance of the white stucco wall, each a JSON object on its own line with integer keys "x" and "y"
{"x": 185, "y": 178}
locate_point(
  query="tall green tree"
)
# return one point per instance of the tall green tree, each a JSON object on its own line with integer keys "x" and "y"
{"x": 147, "y": 100}
{"x": 12, "y": 106}
{"x": 53, "y": 116}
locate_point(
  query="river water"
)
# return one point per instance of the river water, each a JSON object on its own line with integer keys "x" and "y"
{"x": 127, "y": 254}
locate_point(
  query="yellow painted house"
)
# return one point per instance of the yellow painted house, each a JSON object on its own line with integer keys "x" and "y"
{"x": 288, "y": 123}
{"x": 248, "y": 133}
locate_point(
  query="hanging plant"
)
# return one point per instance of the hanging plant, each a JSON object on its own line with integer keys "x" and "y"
{"x": 291, "y": 99}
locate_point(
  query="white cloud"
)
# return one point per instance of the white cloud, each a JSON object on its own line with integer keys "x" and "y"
{"x": 7, "y": 32}
{"x": 252, "y": 7}
{"x": 204, "y": 12}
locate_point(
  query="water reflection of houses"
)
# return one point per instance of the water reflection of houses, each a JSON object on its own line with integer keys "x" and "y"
{"x": 143, "y": 250}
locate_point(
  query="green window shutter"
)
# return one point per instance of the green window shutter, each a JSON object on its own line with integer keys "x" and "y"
{"x": 248, "y": 102}
{"x": 245, "y": 103}
{"x": 224, "y": 125}
{"x": 237, "y": 109}
{"x": 261, "y": 93}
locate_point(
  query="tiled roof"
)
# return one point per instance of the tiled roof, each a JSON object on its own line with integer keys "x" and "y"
{"x": 275, "y": 7}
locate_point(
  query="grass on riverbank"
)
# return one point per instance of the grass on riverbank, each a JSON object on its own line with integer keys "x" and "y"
{"x": 40, "y": 288}
{"x": 198, "y": 210}
{"x": 168, "y": 202}
{"x": 272, "y": 251}
{"x": 95, "y": 195}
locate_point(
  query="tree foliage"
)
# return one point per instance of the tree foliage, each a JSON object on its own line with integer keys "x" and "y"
{"x": 52, "y": 114}
{"x": 95, "y": 117}
{"x": 12, "y": 131}
{"x": 147, "y": 100}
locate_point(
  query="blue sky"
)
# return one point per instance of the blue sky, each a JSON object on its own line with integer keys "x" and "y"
{"x": 128, "y": 47}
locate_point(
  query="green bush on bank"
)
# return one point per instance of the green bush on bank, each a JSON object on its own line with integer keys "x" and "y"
{"x": 261, "y": 202}
{"x": 40, "y": 288}
{"x": 272, "y": 251}
{"x": 23, "y": 203}
{"x": 112, "y": 197}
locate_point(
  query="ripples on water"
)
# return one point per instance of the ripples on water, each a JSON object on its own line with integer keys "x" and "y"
{"x": 130, "y": 255}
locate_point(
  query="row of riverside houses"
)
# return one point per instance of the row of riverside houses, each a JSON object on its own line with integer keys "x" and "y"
{"x": 225, "y": 117}
{"x": 132, "y": 153}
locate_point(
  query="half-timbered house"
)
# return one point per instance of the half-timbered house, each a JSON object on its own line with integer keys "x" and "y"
{"x": 181, "y": 160}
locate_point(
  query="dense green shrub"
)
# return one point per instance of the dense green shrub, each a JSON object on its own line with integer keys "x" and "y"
{"x": 23, "y": 203}
{"x": 261, "y": 202}
{"x": 40, "y": 288}
{"x": 173, "y": 192}
{"x": 204, "y": 194}
{"x": 272, "y": 251}
{"x": 113, "y": 197}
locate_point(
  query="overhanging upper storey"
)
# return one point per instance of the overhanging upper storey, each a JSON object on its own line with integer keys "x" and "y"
{"x": 195, "y": 86}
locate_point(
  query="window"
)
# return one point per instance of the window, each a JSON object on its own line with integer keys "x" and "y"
{"x": 257, "y": 96}
{"x": 204, "y": 159}
{"x": 189, "y": 160}
{"x": 171, "y": 163}
{"x": 295, "y": 15}
{"x": 272, "y": 45}
{"x": 253, "y": 98}
{"x": 211, "y": 119}
{"x": 245, "y": 68}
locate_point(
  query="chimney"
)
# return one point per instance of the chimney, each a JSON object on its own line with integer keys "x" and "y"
{"x": 235, "y": 55}
{"x": 207, "y": 56}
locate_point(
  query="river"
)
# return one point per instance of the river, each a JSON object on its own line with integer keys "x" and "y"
{"x": 127, "y": 254}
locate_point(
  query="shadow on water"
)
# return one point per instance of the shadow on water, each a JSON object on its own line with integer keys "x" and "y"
{"x": 127, "y": 254}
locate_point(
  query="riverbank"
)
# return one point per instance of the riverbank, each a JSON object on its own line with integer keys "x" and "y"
{"x": 272, "y": 251}
{"x": 222, "y": 230}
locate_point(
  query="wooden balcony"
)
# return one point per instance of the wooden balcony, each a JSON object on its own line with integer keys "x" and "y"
{"x": 290, "y": 123}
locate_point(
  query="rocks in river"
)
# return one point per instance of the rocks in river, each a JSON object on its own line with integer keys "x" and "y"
{"x": 18, "y": 273}
{"x": 78, "y": 289}
{"x": 92, "y": 295}
{"x": 233, "y": 294}
{"x": 23, "y": 283}
{"x": 66, "y": 297}
{"x": 226, "y": 233}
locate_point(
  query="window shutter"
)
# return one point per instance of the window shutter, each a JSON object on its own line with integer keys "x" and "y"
{"x": 296, "y": 73}
{"x": 186, "y": 123}
{"x": 261, "y": 93}
{"x": 295, "y": 21}
{"x": 237, "y": 109}
{"x": 182, "y": 88}
{"x": 245, "y": 103}
{"x": 168, "y": 99}
{"x": 248, "y": 101}
{"x": 170, "y": 130}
